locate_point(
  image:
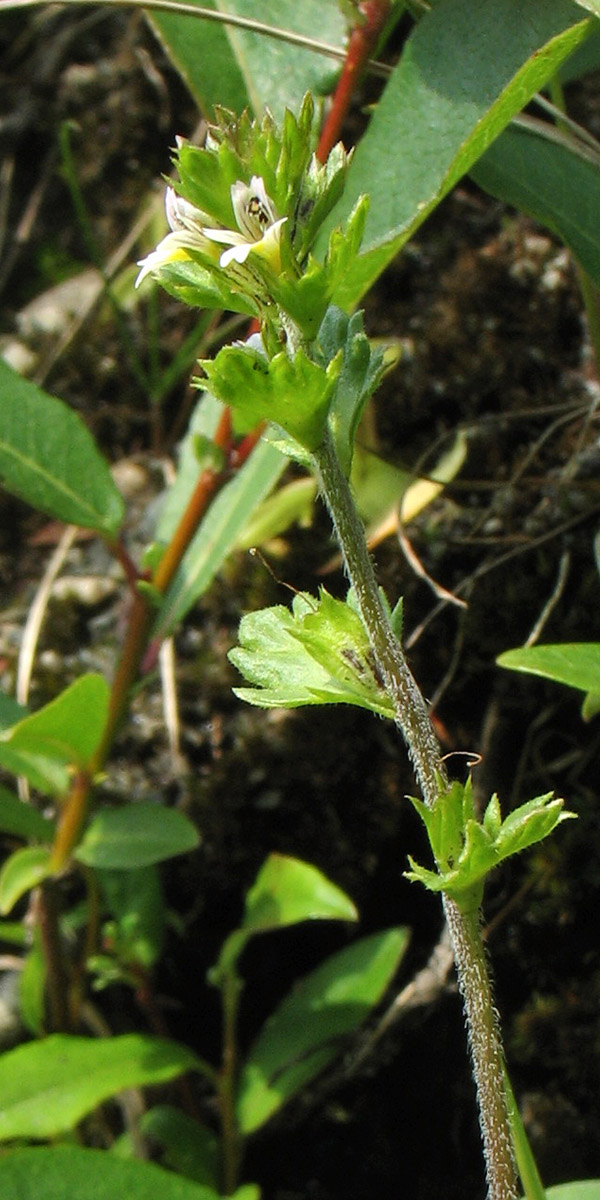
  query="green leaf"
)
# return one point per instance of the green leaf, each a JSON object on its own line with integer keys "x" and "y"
{"x": 292, "y": 392}
{"x": 290, "y": 504}
{"x": 574, "y": 663}
{"x": 24, "y": 870}
{"x": 192, "y": 458}
{"x": 304, "y": 1033}
{"x": 49, "y": 459}
{"x": 47, "y": 1087}
{"x": 63, "y": 734}
{"x": 187, "y": 1147}
{"x": 23, "y": 820}
{"x": 592, "y": 6}
{"x": 317, "y": 653}
{"x": 530, "y": 823}
{"x": 135, "y": 836}
{"x": 218, "y": 533}
{"x": 361, "y": 372}
{"x": 591, "y": 706}
{"x": 203, "y": 56}
{"x": 551, "y": 177}
{"x": 230, "y": 67}
{"x": 277, "y": 74}
{"x": 466, "y": 70}
{"x": 286, "y": 891}
{"x": 74, "y": 1173}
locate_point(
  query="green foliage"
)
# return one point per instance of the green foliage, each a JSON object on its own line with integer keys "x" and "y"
{"x": 575, "y": 663}
{"x": 22, "y": 820}
{"x": 24, "y": 870}
{"x": 234, "y": 68}
{"x": 293, "y": 392}
{"x": 466, "y": 850}
{"x": 186, "y": 1146}
{"x": 135, "y": 901}
{"x": 135, "y": 836}
{"x": 49, "y": 459}
{"x": 317, "y": 653}
{"x": 45, "y": 746}
{"x": 465, "y": 71}
{"x": 362, "y": 369}
{"x": 286, "y": 892}
{"x": 69, "y": 1172}
{"x": 48, "y": 1086}
{"x": 303, "y": 1034}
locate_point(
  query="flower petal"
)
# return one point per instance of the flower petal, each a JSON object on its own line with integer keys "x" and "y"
{"x": 237, "y": 253}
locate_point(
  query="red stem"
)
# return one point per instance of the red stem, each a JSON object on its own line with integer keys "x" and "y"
{"x": 363, "y": 39}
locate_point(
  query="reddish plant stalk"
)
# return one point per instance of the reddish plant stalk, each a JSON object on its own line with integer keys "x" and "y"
{"x": 139, "y": 626}
{"x": 373, "y": 15}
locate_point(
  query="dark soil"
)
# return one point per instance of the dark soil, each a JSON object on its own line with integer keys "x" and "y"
{"x": 489, "y": 317}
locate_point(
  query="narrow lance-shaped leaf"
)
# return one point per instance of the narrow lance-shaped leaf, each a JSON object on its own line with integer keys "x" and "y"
{"x": 233, "y": 68}
{"x": 304, "y": 1033}
{"x": 574, "y": 663}
{"x": 49, "y": 459}
{"x": 23, "y": 870}
{"x": 466, "y": 70}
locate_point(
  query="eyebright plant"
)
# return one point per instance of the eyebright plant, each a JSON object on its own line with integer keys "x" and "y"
{"x": 307, "y": 377}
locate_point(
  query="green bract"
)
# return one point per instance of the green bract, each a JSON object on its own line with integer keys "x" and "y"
{"x": 466, "y": 850}
{"x": 318, "y": 653}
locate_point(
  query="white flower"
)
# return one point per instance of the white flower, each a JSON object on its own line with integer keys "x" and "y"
{"x": 258, "y": 222}
{"x": 186, "y": 223}
{"x": 259, "y": 230}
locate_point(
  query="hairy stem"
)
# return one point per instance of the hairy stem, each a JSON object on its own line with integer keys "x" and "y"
{"x": 413, "y": 720}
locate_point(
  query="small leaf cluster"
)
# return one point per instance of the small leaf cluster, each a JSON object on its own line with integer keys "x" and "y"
{"x": 317, "y": 653}
{"x": 466, "y": 850}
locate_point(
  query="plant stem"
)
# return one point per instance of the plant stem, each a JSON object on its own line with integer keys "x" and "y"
{"x": 412, "y": 717}
{"x": 373, "y": 15}
{"x": 139, "y": 628}
{"x": 413, "y": 720}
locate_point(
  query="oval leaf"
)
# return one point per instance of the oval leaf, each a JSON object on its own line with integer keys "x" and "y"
{"x": 575, "y": 663}
{"x": 287, "y": 891}
{"x": 73, "y": 1173}
{"x": 135, "y": 836}
{"x": 46, "y": 1087}
{"x": 24, "y": 870}
{"x": 303, "y": 1034}
{"x": 63, "y": 734}
{"x": 49, "y": 458}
